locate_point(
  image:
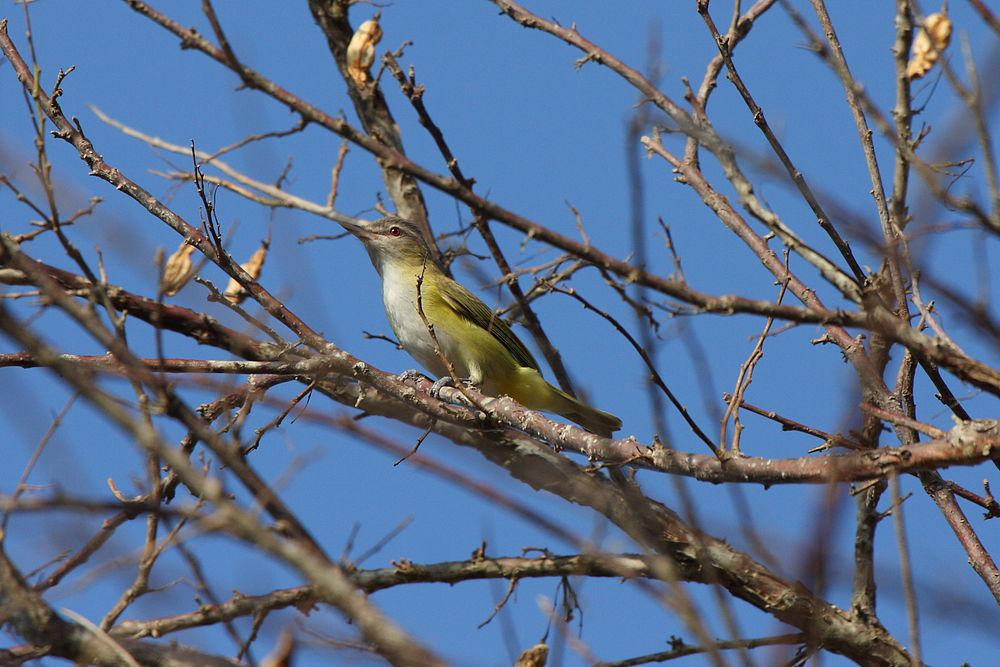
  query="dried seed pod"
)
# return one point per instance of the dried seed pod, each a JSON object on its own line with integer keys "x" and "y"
{"x": 536, "y": 656}
{"x": 234, "y": 291}
{"x": 930, "y": 41}
{"x": 361, "y": 51}
{"x": 177, "y": 271}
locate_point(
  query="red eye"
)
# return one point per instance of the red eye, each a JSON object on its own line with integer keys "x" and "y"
{"x": 395, "y": 231}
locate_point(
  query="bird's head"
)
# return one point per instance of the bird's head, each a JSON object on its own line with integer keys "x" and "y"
{"x": 392, "y": 241}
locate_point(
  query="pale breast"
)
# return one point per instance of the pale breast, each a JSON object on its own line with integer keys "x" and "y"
{"x": 411, "y": 331}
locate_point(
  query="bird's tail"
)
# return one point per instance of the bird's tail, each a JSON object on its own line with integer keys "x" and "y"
{"x": 529, "y": 388}
{"x": 596, "y": 421}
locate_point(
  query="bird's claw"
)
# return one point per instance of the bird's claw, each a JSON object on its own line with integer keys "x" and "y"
{"x": 441, "y": 383}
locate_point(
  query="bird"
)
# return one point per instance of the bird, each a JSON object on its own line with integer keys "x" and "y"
{"x": 419, "y": 296}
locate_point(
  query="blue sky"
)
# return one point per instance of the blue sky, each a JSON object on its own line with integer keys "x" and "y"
{"x": 536, "y": 134}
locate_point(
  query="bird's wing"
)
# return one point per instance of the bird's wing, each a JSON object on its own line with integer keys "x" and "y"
{"x": 466, "y": 305}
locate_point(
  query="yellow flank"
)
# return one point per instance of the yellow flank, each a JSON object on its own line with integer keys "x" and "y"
{"x": 480, "y": 356}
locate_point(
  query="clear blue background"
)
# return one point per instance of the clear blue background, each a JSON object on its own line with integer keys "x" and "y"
{"x": 536, "y": 134}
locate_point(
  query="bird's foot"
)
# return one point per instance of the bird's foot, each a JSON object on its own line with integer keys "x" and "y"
{"x": 411, "y": 375}
{"x": 441, "y": 383}
{"x": 459, "y": 397}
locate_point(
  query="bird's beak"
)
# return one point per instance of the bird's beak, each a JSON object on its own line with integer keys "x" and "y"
{"x": 358, "y": 230}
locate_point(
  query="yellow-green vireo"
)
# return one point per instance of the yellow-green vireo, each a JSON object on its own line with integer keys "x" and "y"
{"x": 478, "y": 344}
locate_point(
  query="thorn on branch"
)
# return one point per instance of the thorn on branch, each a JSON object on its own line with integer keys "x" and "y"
{"x": 591, "y": 56}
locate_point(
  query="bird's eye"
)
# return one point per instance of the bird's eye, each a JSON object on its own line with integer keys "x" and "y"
{"x": 395, "y": 231}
